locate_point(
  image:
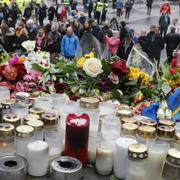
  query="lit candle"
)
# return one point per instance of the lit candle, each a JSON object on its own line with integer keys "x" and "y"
{"x": 77, "y": 134}
{"x": 38, "y": 158}
{"x": 121, "y": 156}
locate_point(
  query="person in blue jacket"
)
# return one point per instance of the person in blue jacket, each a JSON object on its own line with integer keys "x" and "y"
{"x": 69, "y": 44}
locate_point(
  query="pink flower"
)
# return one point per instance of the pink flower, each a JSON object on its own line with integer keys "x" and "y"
{"x": 20, "y": 87}
{"x": 36, "y": 76}
{"x": 27, "y": 77}
{"x": 14, "y": 60}
{"x": 9, "y": 73}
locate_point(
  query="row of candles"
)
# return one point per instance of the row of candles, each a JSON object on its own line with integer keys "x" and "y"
{"x": 114, "y": 141}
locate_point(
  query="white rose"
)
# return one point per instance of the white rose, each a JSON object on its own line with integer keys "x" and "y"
{"x": 29, "y": 45}
{"x": 161, "y": 113}
{"x": 93, "y": 67}
{"x": 164, "y": 104}
{"x": 168, "y": 114}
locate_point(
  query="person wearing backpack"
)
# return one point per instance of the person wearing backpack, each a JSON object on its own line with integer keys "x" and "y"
{"x": 69, "y": 44}
{"x": 128, "y": 6}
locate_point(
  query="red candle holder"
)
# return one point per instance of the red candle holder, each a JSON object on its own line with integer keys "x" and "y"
{"x": 77, "y": 135}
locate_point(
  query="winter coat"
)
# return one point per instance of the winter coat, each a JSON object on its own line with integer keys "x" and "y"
{"x": 69, "y": 45}
{"x": 165, "y": 7}
{"x": 119, "y": 4}
{"x": 51, "y": 13}
{"x": 163, "y": 23}
{"x": 149, "y": 2}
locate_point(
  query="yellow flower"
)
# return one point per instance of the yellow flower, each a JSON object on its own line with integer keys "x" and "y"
{"x": 146, "y": 79}
{"x": 90, "y": 55}
{"x": 134, "y": 73}
{"x": 80, "y": 62}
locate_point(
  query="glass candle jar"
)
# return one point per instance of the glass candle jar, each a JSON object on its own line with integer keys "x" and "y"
{"x": 30, "y": 117}
{"x": 121, "y": 156}
{"x": 138, "y": 154}
{"x": 20, "y": 109}
{"x": 38, "y": 129}
{"x": 23, "y": 97}
{"x": 4, "y": 93}
{"x": 146, "y": 134}
{"x": 172, "y": 166}
{"x": 147, "y": 122}
{"x": 92, "y": 147}
{"x": 54, "y": 139}
{"x": 45, "y": 103}
{"x": 104, "y": 160}
{"x": 6, "y": 106}
{"x": 126, "y": 116}
{"x": 90, "y": 106}
{"x": 166, "y": 133}
{"x": 129, "y": 129}
{"x": 157, "y": 157}
{"x": 107, "y": 109}
{"x": 37, "y": 111}
{"x": 13, "y": 119}
{"x": 77, "y": 136}
{"x": 50, "y": 120}
{"x": 177, "y": 133}
{"x": 111, "y": 127}
{"x": 7, "y": 139}
{"x": 24, "y": 136}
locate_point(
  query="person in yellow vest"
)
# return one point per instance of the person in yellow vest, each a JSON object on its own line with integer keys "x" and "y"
{"x": 22, "y": 4}
{"x": 98, "y": 10}
{"x": 8, "y": 2}
{"x": 104, "y": 12}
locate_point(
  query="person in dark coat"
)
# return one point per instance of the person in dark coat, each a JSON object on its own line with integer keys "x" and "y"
{"x": 5, "y": 12}
{"x": 123, "y": 30}
{"x": 164, "y": 22}
{"x": 172, "y": 40}
{"x": 27, "y": 12}
{"x": 42, "y": 13}
{"x": 155, "y": 44}
{"x": 149, "y": 6}
{"x": 106, "y": 30}
{"x": 125, "y": 47}
{"x": 51, "y": 13}
{"x": 128, "y": 6}
{"x": 142, "y": 40}
{"x": 90, "y": 8}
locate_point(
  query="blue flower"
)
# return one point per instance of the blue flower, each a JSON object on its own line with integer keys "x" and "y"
{"x": 174, "y": 100}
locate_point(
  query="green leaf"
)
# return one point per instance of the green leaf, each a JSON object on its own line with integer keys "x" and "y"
{"x": 38, "y": 67}
{"x": 165, "y": 70}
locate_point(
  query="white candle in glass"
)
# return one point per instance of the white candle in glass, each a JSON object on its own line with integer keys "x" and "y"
{"x": 4, "y": 93}
{"x": 45, "y": 103}
{"x": 121, "y": 156}
{"x": 157, "y": 157}
{"x": 38, "y": 158}
{"x": 136, "y": 173}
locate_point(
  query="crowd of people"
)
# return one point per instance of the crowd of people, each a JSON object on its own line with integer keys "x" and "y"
{"x": 60, "y": 27}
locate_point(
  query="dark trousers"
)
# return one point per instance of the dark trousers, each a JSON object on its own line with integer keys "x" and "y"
{"x": 41, "y": 20}
{"x": 127, "y": 13}
{"x": 118, "y": 12}
{"x": 97, "y": 16}
{"x": 149, "y": 9}
{"x": 89, "y": 13}
{"x": 163, "y": 31}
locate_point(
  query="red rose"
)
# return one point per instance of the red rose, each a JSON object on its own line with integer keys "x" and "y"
{"x": 21, "y": 71}
{"x": 173, "y": 71}
{"x": 61, "y": 87}
{"x": 10, "y": 73}
{"x": 119, "y": 67}
{"x": 174, "y": 63}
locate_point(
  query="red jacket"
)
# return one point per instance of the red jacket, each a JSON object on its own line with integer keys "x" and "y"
{"x": 165, "y": 7}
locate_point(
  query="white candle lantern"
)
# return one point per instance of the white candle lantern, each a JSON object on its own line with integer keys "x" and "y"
{"x": 45, "y": 103}
{"x": 4, "y": 93}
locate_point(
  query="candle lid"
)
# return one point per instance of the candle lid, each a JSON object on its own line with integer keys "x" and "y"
{"x": 36, "y": 124}
{"x": 89, "y": 102}
{"x": 148, "y": 122}
{"x": 174, "y": 156}
{"x": 165, "y": 122}
{"x": 30, "y": 117}
{"x": 36, "y": 110}
{"x": 49, "y": 118}
{"x": 24, "y": 131}
{"x": 12, "y": 118}
{"x": 6, "y": 130}
{"x": 128, "y": 120}
{"x": 125, "y": 113}
{"x": 166, "y": 132}
{"x": 137, "y": 152}
{"x": 129, "y": 128}
{"x": 7, "y": 102}
{"x": 147, "y": 132}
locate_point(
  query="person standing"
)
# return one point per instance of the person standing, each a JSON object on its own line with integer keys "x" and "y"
{"x": 98, "y": 10}
{"x": 119, "y": 7}
{"x": 90, "y": 8}
{"x": 69, "y": 44}
{"x": 128, "y": 6}
{"x": 28, "y": 12}
{"x": 104, "y": 12}
{"x": 175, "y": 25}
{"x": 164, "y": 22}
{"x": 172, "y": 40}
{"x": 51, "y": 13}
{"x": 149, "y": 6}
{"x": 165, "y": 7}
{"x": 155, "y": 44}
{"x": 42, "y": 13}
